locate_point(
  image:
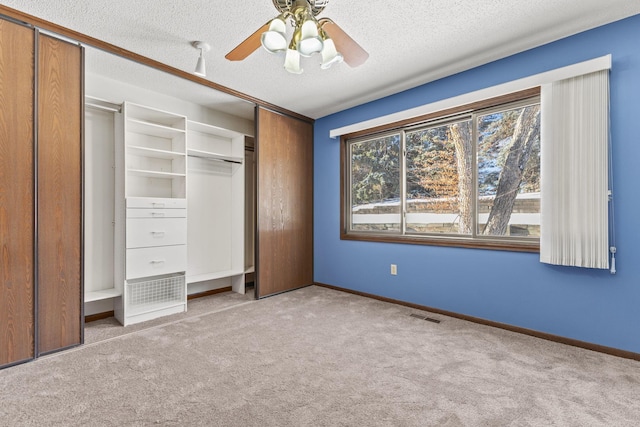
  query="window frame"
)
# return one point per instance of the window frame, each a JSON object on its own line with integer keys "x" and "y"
{"x": 474, "y": 240}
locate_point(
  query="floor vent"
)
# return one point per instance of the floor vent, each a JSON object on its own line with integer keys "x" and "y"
{"x": 428, "y": 319}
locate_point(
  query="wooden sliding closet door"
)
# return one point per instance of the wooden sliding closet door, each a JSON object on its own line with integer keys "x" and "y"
{"x": 16, "y": 193}
{"x": 284, "y": 211}
{"x": 59, "y": 194}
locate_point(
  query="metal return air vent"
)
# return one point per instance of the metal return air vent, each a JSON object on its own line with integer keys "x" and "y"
{"x": 421, "y": 317}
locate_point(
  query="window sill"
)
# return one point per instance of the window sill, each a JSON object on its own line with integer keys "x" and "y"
{"x": 500, "y": 245}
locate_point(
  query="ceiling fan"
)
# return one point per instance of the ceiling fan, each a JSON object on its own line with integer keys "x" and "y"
{"x": 310, "y": 36}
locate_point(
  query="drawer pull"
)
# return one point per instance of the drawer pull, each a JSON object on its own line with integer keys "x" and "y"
{"x": 158, "y": 233}
{"x": 157, "y": 205}
{"x": 157, "y": 261}
{"x": 157, "y": 214}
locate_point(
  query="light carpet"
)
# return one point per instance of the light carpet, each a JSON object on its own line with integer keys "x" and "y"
{"x": 320, "y": 357}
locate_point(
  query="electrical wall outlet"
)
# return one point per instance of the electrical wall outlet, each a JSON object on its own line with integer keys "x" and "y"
{"x": 394, "y": 270}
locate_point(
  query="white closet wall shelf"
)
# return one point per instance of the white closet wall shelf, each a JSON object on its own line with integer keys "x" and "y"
{"x": 211, "y": 129}
{"x": 149, "y": 115}
{"x": 153, "y": 152}
{"x": 155, "y": 174}
{"x": 154, "y": 129}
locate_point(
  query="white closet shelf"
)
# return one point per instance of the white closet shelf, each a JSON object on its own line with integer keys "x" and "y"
{"x": 153, "y": 152}
{"x": 149, "y": 128}
{"x": 155, "y": 174}
{"x": 102, "y": 294}
{"x": 214, "y": 156}
{"x": 212, "y": 130}
{"x": 213, "y": 276}
{"x": 151, "y": 114}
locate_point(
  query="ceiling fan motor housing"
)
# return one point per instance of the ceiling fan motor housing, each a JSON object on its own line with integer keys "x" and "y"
{"x": 317, "y": 6}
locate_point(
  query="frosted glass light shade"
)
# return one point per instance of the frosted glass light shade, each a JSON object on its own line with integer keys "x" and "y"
{"x": 330, "y": 55}
{"x": 310, "y": 42}
{"x": 274, "y": 39}
{"x": 292, "y": 62}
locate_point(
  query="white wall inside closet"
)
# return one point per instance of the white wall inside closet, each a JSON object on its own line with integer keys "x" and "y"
{"x": 99, "y": 209}
{"x": 218, "y": 136}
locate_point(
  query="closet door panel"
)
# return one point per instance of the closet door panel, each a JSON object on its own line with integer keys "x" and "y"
{"x": 284, "y": 203}
{"x": 59, "y": 194}
{"x": 16, "y": 193}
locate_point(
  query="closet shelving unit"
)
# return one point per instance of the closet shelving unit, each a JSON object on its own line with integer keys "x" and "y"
{"x": 155, "y": 156}
{"x": 215, "y": 188}
{"x": 177, "y": 207}
{"x": 151, "y": 213}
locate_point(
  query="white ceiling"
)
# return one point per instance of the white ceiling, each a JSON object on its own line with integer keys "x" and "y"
{"x": 409, "y": 42}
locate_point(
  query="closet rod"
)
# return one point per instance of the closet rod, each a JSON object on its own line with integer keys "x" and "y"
{"x": 238, "y": 162}
{"x": 101, "y": 104}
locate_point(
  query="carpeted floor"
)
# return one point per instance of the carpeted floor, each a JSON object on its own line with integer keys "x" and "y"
{"x": 319, "y": 357}
{"x": 104, "y": 329}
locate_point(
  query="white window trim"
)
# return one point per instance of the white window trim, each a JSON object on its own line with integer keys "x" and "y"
{"x": 570, "y": 71}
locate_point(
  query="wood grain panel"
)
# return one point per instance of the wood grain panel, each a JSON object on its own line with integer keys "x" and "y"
{"x": 284, "y": 152}
{"x": 59, "y": 194}
{"x": 16, "y": 193}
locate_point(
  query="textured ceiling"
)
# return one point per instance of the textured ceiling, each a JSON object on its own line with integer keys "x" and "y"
{"x": 410, "y": 43}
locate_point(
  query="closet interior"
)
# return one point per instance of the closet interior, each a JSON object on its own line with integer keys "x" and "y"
{"x": 168, "y": 190}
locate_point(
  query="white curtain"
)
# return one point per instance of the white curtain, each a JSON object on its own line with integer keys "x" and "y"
{"x": 574, "y": 171}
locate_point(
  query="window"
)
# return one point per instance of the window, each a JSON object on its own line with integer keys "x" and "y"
{"x": 468, "y": 177}
{"x": 375, "y": 184}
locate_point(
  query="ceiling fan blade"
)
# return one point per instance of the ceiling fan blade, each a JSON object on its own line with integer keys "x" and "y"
{"x": 352, "y": 52}
{"x": 248, "y": 46}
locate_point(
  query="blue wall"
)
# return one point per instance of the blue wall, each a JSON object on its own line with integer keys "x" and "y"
{"x": 513, "y": 288}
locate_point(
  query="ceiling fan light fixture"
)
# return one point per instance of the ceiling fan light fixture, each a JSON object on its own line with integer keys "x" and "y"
{"x": 274, "y": 39}
{"x": 309, "y": 35}
{"x": 310, "y": 41}
{"x": 329, "y": 54}
{"x": 201, "y": 69}
{"x": 292, "y": 61}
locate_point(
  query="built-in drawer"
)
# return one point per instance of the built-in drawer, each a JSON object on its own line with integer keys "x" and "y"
{"x": 146, "y": 232}
{"x": 156, "y": 203}
{"x": 156, "y": 213}
{"x": 145, "y": 262}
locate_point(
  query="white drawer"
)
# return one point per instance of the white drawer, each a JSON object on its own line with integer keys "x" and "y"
{"x": 156, "y": 203}
{"x": 145, "y": 262}
{"x": 156, "y": 213}
{"x": 146, "y": 232}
